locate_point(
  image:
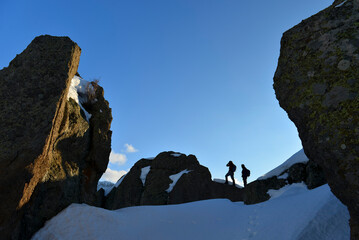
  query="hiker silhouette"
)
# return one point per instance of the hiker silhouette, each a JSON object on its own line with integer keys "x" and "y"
{"x": 231, "y": 170}
{"x": 245, "y": 174}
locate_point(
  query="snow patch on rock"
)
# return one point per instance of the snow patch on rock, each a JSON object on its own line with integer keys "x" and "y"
{"x": 176, "y": 154}
{"x": 144, "y": 172}
{"x": 218, "y": 180}
{"x": 341, "y": 4}
{"x": 283, "y": 176}
{"x": 78, "y": 91}
{"x": 175, "y": 178}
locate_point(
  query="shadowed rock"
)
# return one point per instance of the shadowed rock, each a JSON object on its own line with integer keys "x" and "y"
{"x": 50, "y": 155}
{"x": 153, "y": 188}
{"x": 317, "y": 84}
{"x": 309, "y": 173}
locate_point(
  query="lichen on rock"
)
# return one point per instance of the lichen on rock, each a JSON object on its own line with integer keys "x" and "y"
{"x": 325, "y": 105}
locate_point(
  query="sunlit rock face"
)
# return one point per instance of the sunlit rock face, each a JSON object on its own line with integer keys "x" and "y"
{"x": 51, "y": 152}
{"x": 317, "y": 84}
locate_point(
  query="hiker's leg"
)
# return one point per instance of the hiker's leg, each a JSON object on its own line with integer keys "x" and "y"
{"x": 227, "y": 178}
{"x": 232, "y": 176}
{"x": 245, "y": 181}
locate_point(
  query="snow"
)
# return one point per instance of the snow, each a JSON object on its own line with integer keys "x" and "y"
{"x": 298, "y": 157}
{"x": 108, "y": 186}
{"x": 175, "y": 178}
{"x": 149, "y": 158}
{"x": 105, "y": 185}
{"x": 176, "y": 154}
{"x": 78, "y": 91}
{"x": 283, "y": 176}
{"x": 144, "y": 172}
{"x": 229, "y": 181}
{"x": 339, "y": 5}
{"x": 120, "y": 181}
{"x": 295, "y": 188}
{"x": 296, "y": 214}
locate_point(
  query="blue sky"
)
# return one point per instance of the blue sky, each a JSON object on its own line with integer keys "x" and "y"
{"x": 193, "y": 76}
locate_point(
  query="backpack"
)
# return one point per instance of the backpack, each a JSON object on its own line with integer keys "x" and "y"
{"x": 234, "y": 168}
{"x": 248, "y": 173}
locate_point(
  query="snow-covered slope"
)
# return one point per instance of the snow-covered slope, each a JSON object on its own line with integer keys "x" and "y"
{"x": 292, "y": 213}
{"x": 298, "y": 157}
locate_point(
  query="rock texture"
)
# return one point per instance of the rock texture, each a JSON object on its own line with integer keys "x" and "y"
{"x": 192, "y": 186}
{"x": 309, "y": 173}
{"x": 317, "y": 84}
{"x": 50, "y": 156}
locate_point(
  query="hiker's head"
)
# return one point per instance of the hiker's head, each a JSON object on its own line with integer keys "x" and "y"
{"x": 230, "y": 163}
{"x": 243, "y": 166}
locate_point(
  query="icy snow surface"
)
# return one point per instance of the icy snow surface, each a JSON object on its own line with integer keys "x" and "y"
{"x": 78, "y": 92}
{"x": 297, "y": 214}
{"x": 175, "y": 178}
{"x": 298, "y": 157}
{"x": 144, "y": 172}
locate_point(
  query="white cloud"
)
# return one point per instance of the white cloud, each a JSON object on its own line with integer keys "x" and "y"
{"x": 130, "y": 148}
{"x": 117, "y": 158}
{"x": 112, "y": 175}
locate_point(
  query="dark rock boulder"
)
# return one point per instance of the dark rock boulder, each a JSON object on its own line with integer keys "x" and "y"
{"x": 129, "y": 192}
{"x": 309, "y": 173}
{"x": 50, "y": 154}
{"x": 317, "y": 84}
{"x": 149, "y": 182}
{"x": 256, "y": 191}
{"x": 296, "y": 173}
{"x": 314, "y": 175}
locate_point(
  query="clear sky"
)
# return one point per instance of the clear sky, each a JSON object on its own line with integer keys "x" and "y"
{"x": 192, "y": 76}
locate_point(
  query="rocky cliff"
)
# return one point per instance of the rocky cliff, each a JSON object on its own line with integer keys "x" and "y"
{"x": 317, "y": 84}
{"x": 169, "y": 178}
{"x": 51, "y": 153}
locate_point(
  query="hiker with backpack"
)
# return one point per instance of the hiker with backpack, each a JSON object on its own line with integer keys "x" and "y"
{"x": 232, "y": 169}
{"x": 245, "y": 173}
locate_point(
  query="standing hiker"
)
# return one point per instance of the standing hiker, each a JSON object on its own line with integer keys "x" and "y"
{"x": 245, "y": 173}
{"x": 232, "y": 169}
